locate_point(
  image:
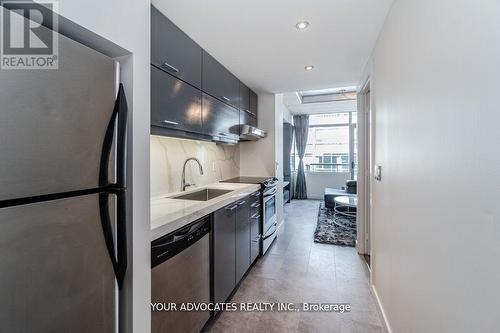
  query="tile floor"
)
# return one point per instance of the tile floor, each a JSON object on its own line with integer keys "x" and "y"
{"x": 298, "y": 270}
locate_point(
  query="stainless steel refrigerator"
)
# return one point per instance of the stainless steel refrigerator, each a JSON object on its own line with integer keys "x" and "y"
{"x": 62, "y": 194}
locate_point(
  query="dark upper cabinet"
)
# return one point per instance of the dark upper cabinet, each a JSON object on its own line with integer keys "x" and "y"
{"x": 219, "y": 118}
{"x": 244, "y": 97}
{"x": 242, "y": 227}
{"x": 253, "y": 121}
{"x": 174, "y": 103}
{"x": 254, "y": 99}
{"x": 248, "y": 101}
{"x": 173, "y": 51}
{"x": 219, "y": 82}
{"x": 224, "y": 255}
{"x": 245, "y": 117}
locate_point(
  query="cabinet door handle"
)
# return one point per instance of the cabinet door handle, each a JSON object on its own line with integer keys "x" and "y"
{"x": 241, "y": 203}
{"x": 225, "y": 98}
{"x": 231, "y": 208}
{"x": 255, "y": 205}
{"x": 255, "y": 216}
{"x": 170, "y": 122}
{"x": 170, "y": 67}
{"x": 256, "y": 194}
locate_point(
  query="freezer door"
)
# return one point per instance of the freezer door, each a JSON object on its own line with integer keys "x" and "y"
{"x": 55, "y": 272}
{"x": 53, "y": 123}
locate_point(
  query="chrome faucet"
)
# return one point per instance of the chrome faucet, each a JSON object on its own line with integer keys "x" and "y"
{"x": 183, "y": 181}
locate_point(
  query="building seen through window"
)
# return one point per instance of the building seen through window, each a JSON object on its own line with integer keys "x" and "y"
{"x": 331, "y": 144}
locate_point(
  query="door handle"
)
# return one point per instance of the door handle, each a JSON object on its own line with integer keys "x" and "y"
{"x": 170, "y": 67}
{"x": 270, "y": 192}
{"x": 226, "y": 99}
{"x": 231, "y": 208}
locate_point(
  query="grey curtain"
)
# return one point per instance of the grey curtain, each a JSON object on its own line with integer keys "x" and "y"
{"x": 301, "y": 123}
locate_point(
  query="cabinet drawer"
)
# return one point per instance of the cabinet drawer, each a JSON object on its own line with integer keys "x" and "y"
{"x": 173, "y": 51}
{"x": 254, "y": 197}
{"x": 219, "y": 82}
{"x": 174, "y": 103}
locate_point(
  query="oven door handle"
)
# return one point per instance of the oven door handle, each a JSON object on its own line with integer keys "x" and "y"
{"x": 271, "y": 192}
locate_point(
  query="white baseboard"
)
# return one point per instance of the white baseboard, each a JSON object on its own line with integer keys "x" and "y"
{"x": 381, "y": 309}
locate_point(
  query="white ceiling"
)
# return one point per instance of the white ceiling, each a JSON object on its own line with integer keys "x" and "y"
{"x": 294, "y": 105}
{"x": 258, "y": 42}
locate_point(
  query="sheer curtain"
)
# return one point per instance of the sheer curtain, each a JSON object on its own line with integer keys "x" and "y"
{"x": 301, "y": 123}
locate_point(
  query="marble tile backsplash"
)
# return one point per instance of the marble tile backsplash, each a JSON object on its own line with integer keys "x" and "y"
{"x": 168, "y": 155}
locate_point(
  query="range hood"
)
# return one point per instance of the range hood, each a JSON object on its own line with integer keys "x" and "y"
{"x": 252, "y": 133}
{"x": 225, "y": 139}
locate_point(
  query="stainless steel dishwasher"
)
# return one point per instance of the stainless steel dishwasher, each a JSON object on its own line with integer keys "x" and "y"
{"x": 180, "y": 264}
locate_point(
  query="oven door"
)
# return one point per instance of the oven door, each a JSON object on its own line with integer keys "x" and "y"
{"x": 269, "y": 210}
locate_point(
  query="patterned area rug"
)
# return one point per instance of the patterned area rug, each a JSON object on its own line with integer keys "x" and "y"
{"x": 334, "y": 230}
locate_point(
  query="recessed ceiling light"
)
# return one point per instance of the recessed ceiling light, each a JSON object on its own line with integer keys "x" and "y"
{"x": 301, "y": 25}
{"x": 309, "y": 67}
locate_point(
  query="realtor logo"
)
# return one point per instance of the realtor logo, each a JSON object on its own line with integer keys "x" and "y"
{"x": 29, "y": 38}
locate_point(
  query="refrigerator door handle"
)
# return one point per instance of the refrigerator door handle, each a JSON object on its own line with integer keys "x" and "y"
{"x": 119, "y": 112}
{"x": 121, "y": 109}
{"x": 121, "y": 238}
{"x": 118, "y": 258}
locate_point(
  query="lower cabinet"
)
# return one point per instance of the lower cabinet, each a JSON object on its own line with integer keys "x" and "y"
{"x": 231, "y": 246}
{"x": 224, "y": 243}
{"x": 242, "y": 238}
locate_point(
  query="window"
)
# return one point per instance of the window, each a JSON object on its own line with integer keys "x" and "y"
{"x": 331, "y": 144}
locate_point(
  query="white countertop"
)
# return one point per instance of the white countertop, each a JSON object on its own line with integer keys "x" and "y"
{"x": 169, "y": 214}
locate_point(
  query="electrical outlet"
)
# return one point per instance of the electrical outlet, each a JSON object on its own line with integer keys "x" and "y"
{"x": 378, "y": 173}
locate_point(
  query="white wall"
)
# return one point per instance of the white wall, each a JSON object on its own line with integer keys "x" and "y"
{"x": 317, "y": 182}
{"x": 436, "y": 229}
{"x": 280, "y": 110}
{"x": 257, "y": 158}
{"x": 127, "y": 24}
{"x": 287, "y": 115}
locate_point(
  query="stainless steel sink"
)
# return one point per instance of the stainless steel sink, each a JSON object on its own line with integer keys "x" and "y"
{"x": 202, "y": 195}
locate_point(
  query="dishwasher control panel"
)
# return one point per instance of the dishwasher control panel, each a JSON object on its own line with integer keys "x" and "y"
{"x": 175, "y": 242}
